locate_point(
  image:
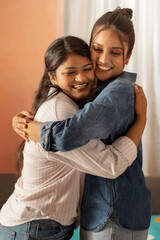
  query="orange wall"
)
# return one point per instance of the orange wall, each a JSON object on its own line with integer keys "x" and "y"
{"x": 26, "y": 30}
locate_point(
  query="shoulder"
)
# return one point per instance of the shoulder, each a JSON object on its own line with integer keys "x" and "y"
{"x": 125, "y": 79}
{"x": 57, "y": 108}
{"x": 65, "y": 101}
{"x": 65, "y": 107}
{"x": 119, "y": 92}
{"x": 124, "y": 83}
{"x": 46, "y": 110}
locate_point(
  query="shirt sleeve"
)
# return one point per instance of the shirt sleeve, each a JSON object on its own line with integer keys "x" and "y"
{"x": 99, "y": 159}
{"x": 95, "y": 121}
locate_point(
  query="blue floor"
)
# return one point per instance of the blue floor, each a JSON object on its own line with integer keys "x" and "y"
{"x": 76, "y": 235}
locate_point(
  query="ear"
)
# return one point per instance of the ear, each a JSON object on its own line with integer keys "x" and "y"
{"x": 52, "y": 79}
{"x": 128, "y": 58}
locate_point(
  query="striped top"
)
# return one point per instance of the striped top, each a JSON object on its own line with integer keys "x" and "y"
{"x": 51, "y": 185}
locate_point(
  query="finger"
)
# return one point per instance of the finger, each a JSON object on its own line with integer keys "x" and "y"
{"x": 141, "y": 90}
{"x": 136, "y": 88}
{"x": 19, "y": 126}
{"x": 19, "y": 119}
{"x": 25, "y": 137}
{"x": 20, "y": 132}
{"x": 27, "y": 114}
{"x": 137, "y": 85}
{"x": 137, "y": 94}
{"x": 23, "y": 116}
{"x": 143, "y": 96}
{"x": 144, "y": 99}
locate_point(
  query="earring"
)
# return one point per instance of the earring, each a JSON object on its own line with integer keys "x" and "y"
{"x": 51, "y": 78}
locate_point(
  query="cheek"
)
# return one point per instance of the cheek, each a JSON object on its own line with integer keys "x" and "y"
{"x": 64, "y": 82}
{"x": 119, "y": 63}
{"x": 93, "y": 56}
{"x": 93, "y": 59}
{"x": 68, "y": 83}
{"x": 92, "y": 76}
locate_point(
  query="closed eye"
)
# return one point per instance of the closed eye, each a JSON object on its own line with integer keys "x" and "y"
{"x": 87, "y": 69}
{"x": 69, "y": 73}
{"x": 116, "y": 53}
{"x": 97, "y": 49}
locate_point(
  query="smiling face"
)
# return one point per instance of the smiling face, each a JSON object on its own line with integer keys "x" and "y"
{"x": 108, "y": 55}
{"x": 75, "y": 77}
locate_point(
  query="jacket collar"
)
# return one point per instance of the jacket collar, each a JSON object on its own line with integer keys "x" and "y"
{"x": 127, "y": 75}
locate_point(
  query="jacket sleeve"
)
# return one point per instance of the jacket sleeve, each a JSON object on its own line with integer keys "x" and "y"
{"x": 95, "y": 121}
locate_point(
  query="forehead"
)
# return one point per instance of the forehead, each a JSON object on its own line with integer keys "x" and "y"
{"x": 110, "y": 38}
{"x": 76, "y": 60}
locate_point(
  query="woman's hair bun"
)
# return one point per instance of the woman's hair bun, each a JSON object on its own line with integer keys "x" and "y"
{"x": 124, "y": 11}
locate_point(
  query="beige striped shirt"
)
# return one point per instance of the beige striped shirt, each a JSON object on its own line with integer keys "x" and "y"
{"x": 51, "y": 185}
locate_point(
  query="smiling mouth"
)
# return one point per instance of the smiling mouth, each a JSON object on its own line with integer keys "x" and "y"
{"x": 80, "y": 86}
{"x": 104, "y": 68}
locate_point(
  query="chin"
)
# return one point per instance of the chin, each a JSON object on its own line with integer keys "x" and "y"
{"x": 105, "y": 77}
{"x": 102, "y": 78}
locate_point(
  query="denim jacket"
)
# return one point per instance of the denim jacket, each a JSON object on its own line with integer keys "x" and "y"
{"x": 125, "y": 200}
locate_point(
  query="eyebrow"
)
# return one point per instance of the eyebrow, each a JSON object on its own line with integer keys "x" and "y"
{"x": 117, "y": 48}
{"x": 88, "y": 64}
{"x": 112, "y": 47}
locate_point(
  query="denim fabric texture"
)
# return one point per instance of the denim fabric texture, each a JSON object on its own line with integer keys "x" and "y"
{"x": 125, "y": 200}
{"x": 39, "y": 229}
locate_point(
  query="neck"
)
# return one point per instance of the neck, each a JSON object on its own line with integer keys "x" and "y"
{"x": 80, "y": 102}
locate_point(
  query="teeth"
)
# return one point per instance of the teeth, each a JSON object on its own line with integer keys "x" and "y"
{"x": 104, "y": 68}
{"x": 80, "y": 86}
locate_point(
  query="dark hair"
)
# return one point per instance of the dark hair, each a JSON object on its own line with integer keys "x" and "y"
{"x": 120, "y": 21}
{"x": 57, "y": 52}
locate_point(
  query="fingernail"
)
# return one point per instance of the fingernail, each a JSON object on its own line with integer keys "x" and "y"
{"x": 137, "y": 87}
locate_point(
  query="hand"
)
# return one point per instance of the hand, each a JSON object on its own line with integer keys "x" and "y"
{"x": 19, "y": 123}
{"x": 136, "y": 131}
{"x": 140, "y": 104}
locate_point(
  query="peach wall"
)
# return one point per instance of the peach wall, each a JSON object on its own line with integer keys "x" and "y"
{"x": 26, "y": 30}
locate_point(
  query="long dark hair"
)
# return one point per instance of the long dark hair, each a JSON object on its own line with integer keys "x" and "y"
{"x": 57, "y": 52}
{"x": 120, "y": 21}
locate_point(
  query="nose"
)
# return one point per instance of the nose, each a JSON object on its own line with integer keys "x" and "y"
{"x": 80, "y": 77}
{"x": 104, "y": 58}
